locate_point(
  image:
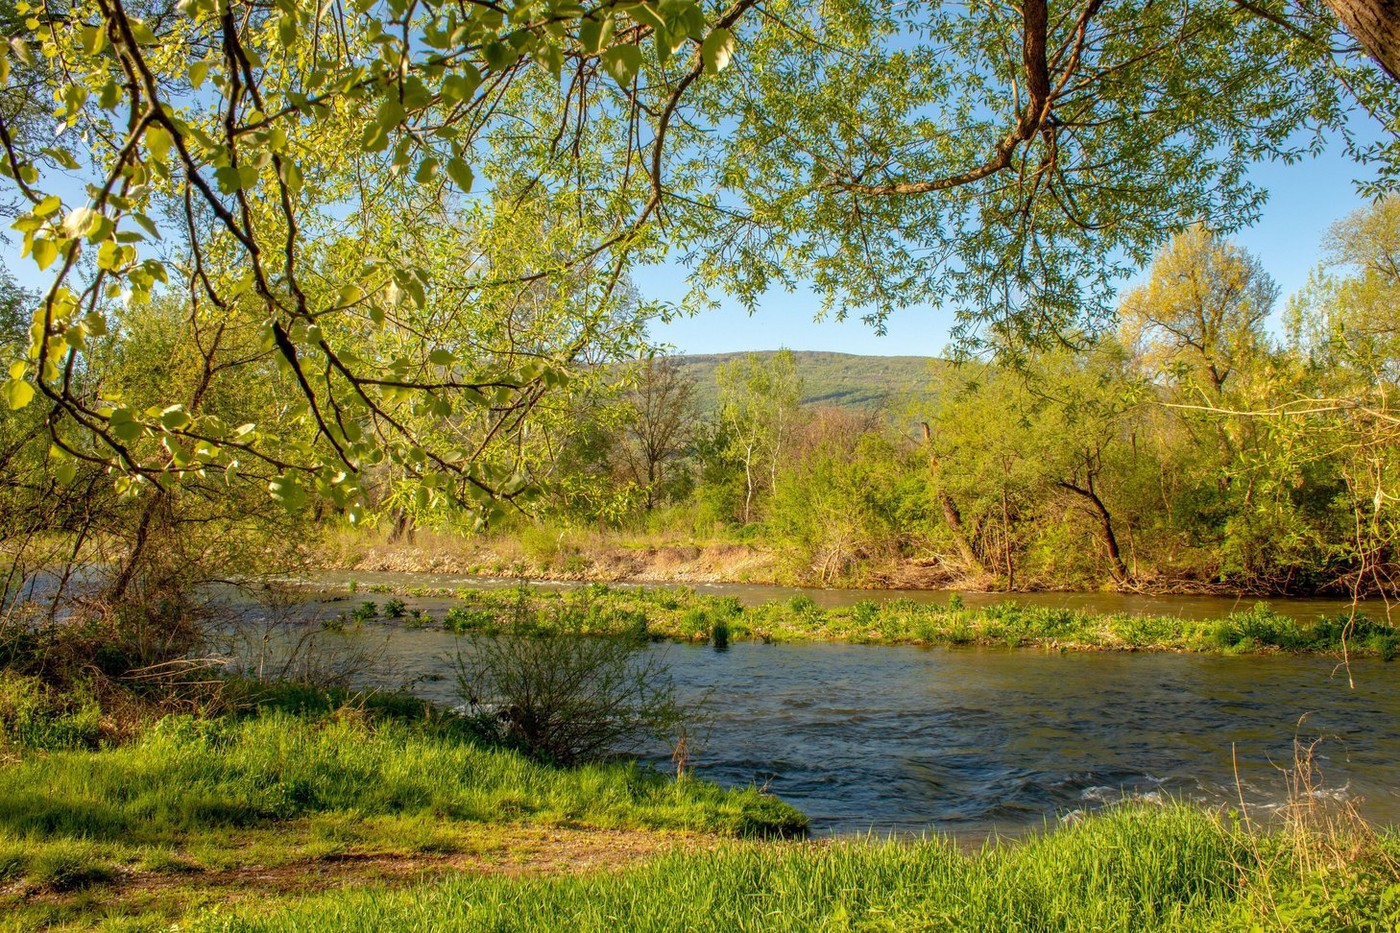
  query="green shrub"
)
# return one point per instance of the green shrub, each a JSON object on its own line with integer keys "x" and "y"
{"x": 464, "y": 619}
{"x": 34, "y": 715}
{"x": 565, "y": 697}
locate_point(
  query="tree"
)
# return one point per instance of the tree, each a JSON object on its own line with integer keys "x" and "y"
{"x": 1200, "y": 315}
{"x": 244, "y": 155}
{"x": 758, "y": 396}
{"x": 1340, "y": 409}
{"x": 211, "y": 129}
{"x": 1012, "y": 164}
{"x": 660, "y": 407}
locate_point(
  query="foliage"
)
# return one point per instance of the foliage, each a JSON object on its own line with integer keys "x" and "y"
{"x": 626, "y": 615}
{"x": 33, "y": 715}
{"x": 565, "y": 697}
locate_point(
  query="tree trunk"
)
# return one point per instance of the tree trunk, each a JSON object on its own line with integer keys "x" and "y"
{"x": 133, "y": 560}
{"x": 402, "y": 529}
{"x": 1110, "y": 540}
{"x": 1376, "y": 25}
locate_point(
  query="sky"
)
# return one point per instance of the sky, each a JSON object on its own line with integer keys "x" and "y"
{"x": 1304, "y": 200}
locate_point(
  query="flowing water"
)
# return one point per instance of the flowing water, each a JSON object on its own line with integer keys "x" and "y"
{"x": 979, "y": 740}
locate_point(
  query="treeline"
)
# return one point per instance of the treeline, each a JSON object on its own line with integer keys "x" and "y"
{"x": 1191, "y": 447}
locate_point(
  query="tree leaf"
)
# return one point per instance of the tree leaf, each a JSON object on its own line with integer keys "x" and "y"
{"x": 717, "y": 50}
{"x": 460, "y": 173}
{"x": 44, "y": 253}
{"x": 18, "y": 393}
{"x": 621, "y": 63}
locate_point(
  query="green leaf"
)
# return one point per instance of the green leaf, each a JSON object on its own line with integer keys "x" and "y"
{"x": 498, "y": 55}
{"x": 92, "y": 39}
{"x": 717, "y": 50}
{"x": 460, "y": 173}
{"x": 229, "y": 179}
{"x": 146, "y": 224}
{"x": 644, "y": 14}
{"x": 349, "y": 295}
{"x": 18, "y": 393}
{"x": 287, "y": 491}
{"x": 174, "y": 418}
{"x": 141, "y": 32}
{"x": 158, "y": 142}
{"x": 80, "y": 221}
{"x": 594, "y": 34}
{"x": 441, "y": 357}
{"x": 287, "y": 30}
{"x": 44, "y": 253}
{"x": 109, "y": 256}
{"x": 621, "y": 63}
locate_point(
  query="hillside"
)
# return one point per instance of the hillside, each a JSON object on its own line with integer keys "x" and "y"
{"x": 843, "y": 379}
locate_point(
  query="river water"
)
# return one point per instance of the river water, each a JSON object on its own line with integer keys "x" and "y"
{"x": 973, "y": 741}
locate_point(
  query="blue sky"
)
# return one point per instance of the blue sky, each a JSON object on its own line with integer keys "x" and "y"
{"x": 1304, "y": 200}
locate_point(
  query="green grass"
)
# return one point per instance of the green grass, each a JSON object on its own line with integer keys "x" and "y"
{"x": 192, "y": 791}
{"x": 683, "y": 615}
{"x": 1136, "y": 869}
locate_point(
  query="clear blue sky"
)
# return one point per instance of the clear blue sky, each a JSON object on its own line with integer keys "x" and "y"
{"x": 1304, "y": 200}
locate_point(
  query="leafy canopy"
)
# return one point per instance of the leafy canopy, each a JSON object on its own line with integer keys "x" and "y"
{"x": 414, "y": 219}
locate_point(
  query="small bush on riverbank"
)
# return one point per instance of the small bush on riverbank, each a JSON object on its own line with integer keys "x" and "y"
{"x": 565, "y": 697}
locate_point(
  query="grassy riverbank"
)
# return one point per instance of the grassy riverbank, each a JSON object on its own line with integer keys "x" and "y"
{"x": 204, "y": 810}
{"x": 299, "y": 814}
{"x": 1132, "y": 870}
{"x": 682, "y": 614}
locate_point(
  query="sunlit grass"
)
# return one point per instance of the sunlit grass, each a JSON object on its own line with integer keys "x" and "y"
{"x": 684, "y": 615}
{"x": 1135, "y": 869}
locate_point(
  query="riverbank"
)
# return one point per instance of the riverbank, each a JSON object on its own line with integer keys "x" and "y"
{"x": 575, "y": 555}
{"x": 383, "y": 816}
{"x": 580, "y": 557}
{"x": 300, "y": 791}
{"x": 682, "y": 614}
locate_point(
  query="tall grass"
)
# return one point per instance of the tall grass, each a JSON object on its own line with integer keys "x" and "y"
{"x": 189, "y": 774}
{"x": 1131, "y": 870}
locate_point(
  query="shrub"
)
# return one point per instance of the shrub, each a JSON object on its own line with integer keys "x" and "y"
{"x": 393, "y": 609}
{"x": 36, "y": 716}
{"x": 464, "y": 619}
{"x": 567, "y": 698}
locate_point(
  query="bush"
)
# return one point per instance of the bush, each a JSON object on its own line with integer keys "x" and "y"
{"x": 36, "y": 716}
{"x": 567, "y": 698}
{"x": 463, "y": 619}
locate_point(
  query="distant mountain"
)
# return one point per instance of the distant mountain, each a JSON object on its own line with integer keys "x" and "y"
{"x": 842, "y": 379}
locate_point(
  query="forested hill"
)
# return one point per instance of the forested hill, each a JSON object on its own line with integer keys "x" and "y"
{"x": 844, "y": 379}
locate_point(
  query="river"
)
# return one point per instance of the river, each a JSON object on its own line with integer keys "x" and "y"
{"x": 973, "y": 741}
